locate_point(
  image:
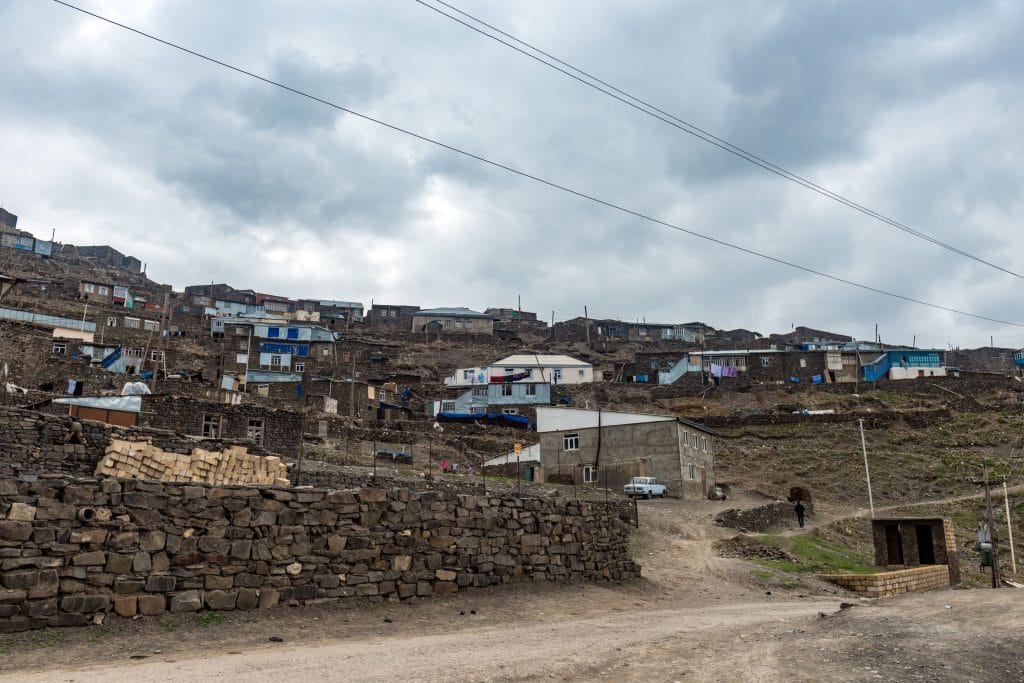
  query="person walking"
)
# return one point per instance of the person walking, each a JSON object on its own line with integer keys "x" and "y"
{"x": 800, "y": 513}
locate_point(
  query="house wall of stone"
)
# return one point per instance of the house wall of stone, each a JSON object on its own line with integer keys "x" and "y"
{"x": 76, "y": 548}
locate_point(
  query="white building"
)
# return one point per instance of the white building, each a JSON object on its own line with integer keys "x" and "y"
{"x": 525, "y": 367}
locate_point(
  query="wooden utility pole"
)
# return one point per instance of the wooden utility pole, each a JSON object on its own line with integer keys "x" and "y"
{"x": 160, "y": 342}
{"x": 1009, "y": 529}
{"x": 867, "y": 472}
{"x": 996, "y": 579}
{"x": 352, "y": 388}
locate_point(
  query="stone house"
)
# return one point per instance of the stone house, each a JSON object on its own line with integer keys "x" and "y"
{"x": 96, "y": 292}
{"x": 606, "y": 449}
{"x": 391, "y": 317}
{"x": 452, "y": 321}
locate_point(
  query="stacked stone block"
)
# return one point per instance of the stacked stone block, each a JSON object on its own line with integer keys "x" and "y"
{"x": 74, "y": 548}
{"x": 140, "y": 459}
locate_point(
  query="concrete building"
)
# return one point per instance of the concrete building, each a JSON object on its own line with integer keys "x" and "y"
{"x": 607, "y": 449}
{"x": 452, "y": 321}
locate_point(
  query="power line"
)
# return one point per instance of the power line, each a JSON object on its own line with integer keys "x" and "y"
{"x": 692, "y": 129}
{"x": 529, "y": 176}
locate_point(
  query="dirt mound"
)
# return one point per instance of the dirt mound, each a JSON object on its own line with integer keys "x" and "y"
{"x": 747, "y": 547}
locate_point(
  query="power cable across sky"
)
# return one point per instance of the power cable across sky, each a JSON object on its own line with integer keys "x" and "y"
{"x": 651, "y": 110}
{"x": 535, "y": 178}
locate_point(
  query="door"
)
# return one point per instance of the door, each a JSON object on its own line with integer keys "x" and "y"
{"x": 925, "y": 547}
{"x": 893, "y": 544}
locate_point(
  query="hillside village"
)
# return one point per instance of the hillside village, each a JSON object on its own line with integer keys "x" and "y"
{"x": 108, "y": 373}
{"x": 83, "y": 325}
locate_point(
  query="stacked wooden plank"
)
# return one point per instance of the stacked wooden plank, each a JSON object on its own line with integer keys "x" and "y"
{"x": 235, "y": 465}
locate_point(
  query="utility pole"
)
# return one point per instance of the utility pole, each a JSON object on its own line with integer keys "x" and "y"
{"x": 1009, "y": 529}
{"x": 996, "y": 579}
{"x": 160, "y": 342}
{"x": 586, "y": 323}
{"x": 867, "y": 471}
{"x": 352, "y": 388}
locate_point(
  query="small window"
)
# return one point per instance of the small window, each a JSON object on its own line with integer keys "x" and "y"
{"x": 293, "y": 333}
{"x": 263, "y": 389}
{"x": 151, "y": 325}
{"x": 60, "y": 347}
{"x": 589, "y": 474}
{"x": 480, "y": 392}
{"x": 211, "y": 426}
{"x": 509, "y": 372}
{"x": 571, "y": 442}
{"x": 242, "y": 345}
{"x": 467, "y": 374}
{"x": 691, "y": 471}
{"x": 580, "y": 373}
{"x": 686, "y": 439}
{"x": 326, "y": 351}
{"x": 458, "y": 324}
{"x": 478, "y": 409}
{"x": 447, "y": 324}
{"x": 506, "y": 389}
{"x": 704, "y": 443}
{"x": 273, "y": 332}
{"x": 300, "y": 367}
{"x": 103, "y": 291}
{"x": 509, "y": 411}
{"x": 693, "y": 440}
{"x": 111, "y": 321}
{"x": 240, "y": 331}
{"x": 132, "y": 323}
{"x": 765, "y": 361}
{"x": 254, "y": 432}
{"x": 556, "y": 374}
{"x": 531, "y": 389}
{"x": 156, "y": 356}
{"x": 242, "y": 358}
{"x": 135, "y": 352}
{"x": 89, "y": 288}
{"x": 447, "y": 406}
{"x": 275, "y": 362}
{"x": 803, "y": 362}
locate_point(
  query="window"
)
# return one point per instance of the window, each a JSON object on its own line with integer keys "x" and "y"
{"x": 132, "y": 323}
{"x": 273, "y": 332}
{"x": 447, "y": 406}
{"x": 263, "y": 389}
{"x": 275, "y": 362}
{"x": 478, "y": 409}
{"x": 393, "y": 313}
{"x": 803, "y": 362}
{"x": 509, "y": 372}
{"x": 643, "y": 331}
{"x": 458, "y": 324}
{"x": 111, "y": 321}
{"x": 686, "y": 439}
{"x": 156, "y": 356}
{"x": 556, "y": 374}
{"x": 254, "y": 432}
{"x": 506, "y": 389}
{"x": 89, "y": 288}
{"x": 134, "y": 352}
{"x": 326, "y": 351}
{"x": 693, "y": 440}
{"x": 211, "y": 426}
{"x": 447, "y": 324}
{"x": 704, "y": 443}
{"x": 300, "y": 367}
{"x": 531, "y": 389}
{"x": 242, "y": 358}
{"x": 765, "y": 361}
{"x": 293, "y": 333}
{"x": 691, "y": 471}
{"x": 580, "y": 373}
{"x": 151, "y": 325}
{"x": 467, "y": 375}
{"x": 509, "y": 411}
{"x": 242, "y": 345}
{"x": 103, "y": 290}
{"x": 571, "y": 442}
{"x": 480, "y": 392}
{"x": 240, "y": 331}
{"x": 60, "y": 347}
{"x": 589, "y": 474}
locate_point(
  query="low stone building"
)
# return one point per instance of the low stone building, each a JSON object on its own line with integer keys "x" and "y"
{"x": 607, "y": 449}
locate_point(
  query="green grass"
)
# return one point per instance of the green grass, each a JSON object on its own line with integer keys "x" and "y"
{"x": 47, "y": 637}
{"x": 814, "y": 555}
{"x": 169, "y": 625}
{"x": 207, "y": 619}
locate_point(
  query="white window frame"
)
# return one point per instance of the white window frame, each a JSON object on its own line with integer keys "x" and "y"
{"x": 531, "y": 389}
{"x": 571, "y": 442}
{"x": 686, "y": 438}
{"x": 506, "y": 389}
{"x": 254, "y": 431}
{"x": 509, "y": 411}
{"x": 765, "y": 361}
{"x": 704, "y": 443}
{"x": 691, "y": 471}
{"x": 300, "y": 367}
{"x": 111, "y": 321}
{"x": 132, "y": 323}
{"x": 212, "y": 426}
{"x": 447, "y": 406}
{"x": 103, "y": 290}
{"x": 693, "y": 440}
{"x": 89, "y": 288}
{"x": 151, "y": 325}
{"x": 590, "y": 474}
{"x": 156, "y": 355}
{"x": 556, "y": 375}
{"x": 60, "y": 347}
{"x": 134, "y": 352}
{"x": 275, "y": 361}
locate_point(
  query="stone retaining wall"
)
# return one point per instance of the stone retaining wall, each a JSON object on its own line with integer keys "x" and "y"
{"x": 74, "y": 548}
{"x": 924, "y": 578}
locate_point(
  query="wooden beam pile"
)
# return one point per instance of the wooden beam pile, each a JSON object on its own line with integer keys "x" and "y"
{"x": 234, "y": 465}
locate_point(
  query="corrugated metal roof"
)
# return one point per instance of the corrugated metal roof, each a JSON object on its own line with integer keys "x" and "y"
{"x": 526, "y": 360}
{"x": 458, "y": 312}
{"x": 126, "y": 404}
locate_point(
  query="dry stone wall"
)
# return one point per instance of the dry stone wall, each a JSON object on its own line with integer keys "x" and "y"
{"x": 74, "y": 548}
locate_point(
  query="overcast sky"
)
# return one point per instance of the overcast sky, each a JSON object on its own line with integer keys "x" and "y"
{"x": 915, "y": 110}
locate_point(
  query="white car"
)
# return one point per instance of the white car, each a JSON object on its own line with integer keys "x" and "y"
{"x": 648, "y": 487}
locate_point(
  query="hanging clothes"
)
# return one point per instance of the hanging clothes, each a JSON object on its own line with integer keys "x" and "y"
{"x": 729, "y": 371}
{"x": 716, "y": 370}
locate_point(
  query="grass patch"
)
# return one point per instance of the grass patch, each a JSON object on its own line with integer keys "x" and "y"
{"x": 207, "y": 619}
{"x": 169, "y": 625}
{"x": 812, "y": 554}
